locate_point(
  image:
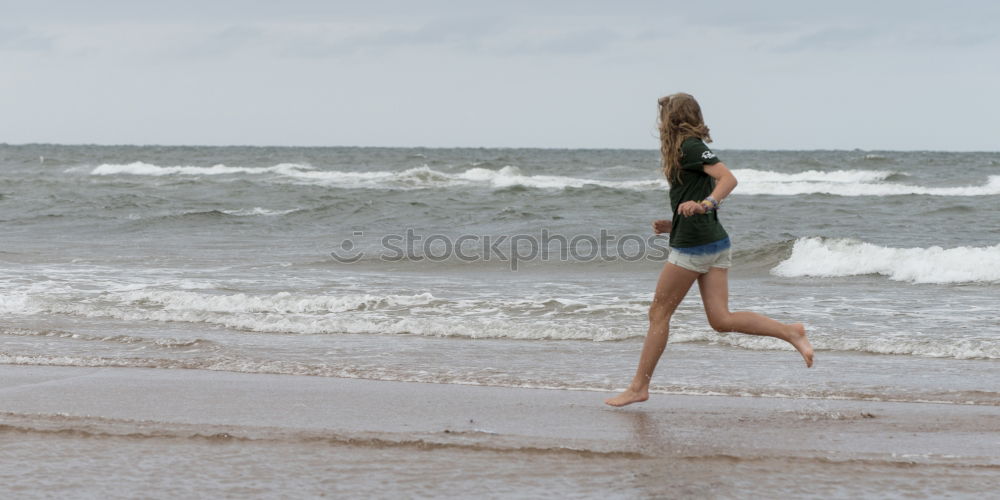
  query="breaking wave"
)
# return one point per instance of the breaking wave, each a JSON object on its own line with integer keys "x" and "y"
{"x": 820, "y": 257}
{"x": 752, "y": 181}
{"x": 541, "y": 318}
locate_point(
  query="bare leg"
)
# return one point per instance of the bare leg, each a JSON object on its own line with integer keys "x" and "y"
{"x": 671, "y": 288}
{"x": 714, "y": 286}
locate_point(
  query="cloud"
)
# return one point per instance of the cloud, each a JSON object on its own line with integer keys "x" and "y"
{"x": 572, "y": 41}
{"x": 314, "y": 71}
{"x": 454, "y": 31}
{"x": 832, "y": 39}
{"x": 21, "y": 39}
{"x": 334, "y": 40}
{"x": 471, "y": 35}
{"x": 198, "y": 44}
{"x": 869, "y": 36}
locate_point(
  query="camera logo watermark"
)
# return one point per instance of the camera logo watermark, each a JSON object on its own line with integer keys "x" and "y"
{"x": 346, "y": 254}
{"x": 513, "y": 249}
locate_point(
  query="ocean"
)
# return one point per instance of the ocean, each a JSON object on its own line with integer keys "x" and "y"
{"x": 427, "y": 265}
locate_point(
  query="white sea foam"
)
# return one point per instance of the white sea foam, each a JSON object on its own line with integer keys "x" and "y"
{"x": 752, "y": 181}
{"x": 417, "y": 314}
{"x": 846, "y": 257}
{"x": 512, "y": 176}
{"x": 417, "y": 177}
{"x": 280, "y": 303}
{"x": 750, "y": 185}
{"x": 423, "y": 314}
{"x": 833, "y": 176}
{"x": 140, "y": 168}
{"x": 249, "y": 212}
{"x": 241, "y": 364}
{"x": 943, "y": 347}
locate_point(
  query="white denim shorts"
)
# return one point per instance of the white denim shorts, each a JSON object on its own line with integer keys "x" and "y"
{"x": 701, "y": 263}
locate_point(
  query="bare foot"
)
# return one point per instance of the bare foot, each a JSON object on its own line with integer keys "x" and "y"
{"x": 801, "y": 342}
{"x": 628, "y": 397}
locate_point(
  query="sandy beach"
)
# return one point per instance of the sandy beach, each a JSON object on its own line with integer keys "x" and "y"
{"x": 399, "y": 250}
{"x": 162, "y": 433}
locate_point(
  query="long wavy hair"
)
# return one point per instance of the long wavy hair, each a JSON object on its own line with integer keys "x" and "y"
{"x": 680, "y": 118}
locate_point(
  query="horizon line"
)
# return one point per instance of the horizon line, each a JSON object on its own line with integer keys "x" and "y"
{"x": 541, "y": 148}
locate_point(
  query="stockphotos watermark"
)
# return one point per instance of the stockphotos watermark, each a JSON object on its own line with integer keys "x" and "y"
{"x": 513, "y": 249}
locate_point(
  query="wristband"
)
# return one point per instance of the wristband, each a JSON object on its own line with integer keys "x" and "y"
{"x": 710, "y": 204}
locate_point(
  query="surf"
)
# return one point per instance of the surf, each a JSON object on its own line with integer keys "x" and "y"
{"x": 830, "y": 258}
{"x": 850, "y": 182}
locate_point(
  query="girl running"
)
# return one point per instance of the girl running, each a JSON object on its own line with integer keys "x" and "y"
{"x": 699, "y": 246}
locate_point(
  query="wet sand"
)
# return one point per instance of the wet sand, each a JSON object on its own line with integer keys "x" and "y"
{"x": 160, "y": 433}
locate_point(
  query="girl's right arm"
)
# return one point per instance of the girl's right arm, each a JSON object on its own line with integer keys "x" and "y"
{"x": 725, "y": 182}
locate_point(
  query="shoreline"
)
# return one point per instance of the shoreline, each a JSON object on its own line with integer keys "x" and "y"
{"x": 302, "y": 435}
{"x": 242, "y": 401}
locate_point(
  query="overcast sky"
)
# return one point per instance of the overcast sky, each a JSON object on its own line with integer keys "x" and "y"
{"x": 909, "y": 75}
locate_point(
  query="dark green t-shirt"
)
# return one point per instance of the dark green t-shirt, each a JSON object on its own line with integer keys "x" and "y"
{"x": 694, "y": 185}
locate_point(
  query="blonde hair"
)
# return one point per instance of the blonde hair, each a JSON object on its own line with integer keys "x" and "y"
{"x": 680, "y": 118}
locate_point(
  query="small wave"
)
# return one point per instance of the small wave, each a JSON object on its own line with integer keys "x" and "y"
{"x": 405, "y": 323}
{"x": 849, "y": 183}
{"x": 93, "y": 427}
{"x": 277, "y": 367}
{"x": 876, "y": 158}
{"x": 922, "y": 347}
{"x": 512, "y": 176}
{"x": 418, "y": 314}
{"x": 831, "y": 176}
{"x": 167, "y": 343}
{"x": 209, "y": 215}
{"x": 255, "y": 211}
{"x": 141, "y": 168}
{"x": 827, "y": 258}
{"x": 280, "y": 303}
{"x": 540, "y": 318}
{"x": 752, "y": 181}
{"x": 765, "y": 257}
{"x": 951, "y": 210}
{"x": 508, "y": 177}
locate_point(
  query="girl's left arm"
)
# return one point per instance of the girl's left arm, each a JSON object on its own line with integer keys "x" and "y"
{"x": 725, "y": 182}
